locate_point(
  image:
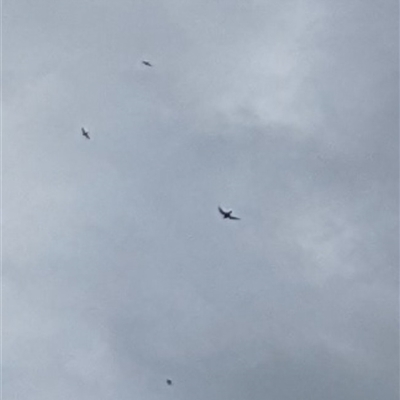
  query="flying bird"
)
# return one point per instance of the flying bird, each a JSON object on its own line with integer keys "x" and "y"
{"x": 85, "y": 133}
{"x": 227, "y": 214}
{"x": 147, "y": 63}
{"x": 169, "y": 382}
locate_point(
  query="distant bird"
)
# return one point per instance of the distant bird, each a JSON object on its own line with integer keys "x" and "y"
{"x": 147, "y": 63}
{"x": 85, "y": 133}
{"x": 169, "y": 382}
{"x": 227, "y": 214}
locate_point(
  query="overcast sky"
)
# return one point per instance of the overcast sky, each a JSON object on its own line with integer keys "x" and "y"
{"x": 118, "y": 271}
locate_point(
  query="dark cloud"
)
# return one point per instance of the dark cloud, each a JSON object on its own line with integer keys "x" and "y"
{"x": 118, "y": 271}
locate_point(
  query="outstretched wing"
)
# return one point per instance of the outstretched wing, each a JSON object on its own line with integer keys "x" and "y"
{"x": 224, "y": 213}
{"x": 235, "y": 218}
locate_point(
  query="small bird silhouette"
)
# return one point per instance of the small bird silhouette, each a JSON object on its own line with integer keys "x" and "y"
{"x": 147, "y": 63}
{"x": 227, "y": 214}
{"x": 85, "y": 133}
{"x": 169, "y": 382}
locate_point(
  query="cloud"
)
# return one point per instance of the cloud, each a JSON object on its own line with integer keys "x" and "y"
{"x": 118, "y": 271}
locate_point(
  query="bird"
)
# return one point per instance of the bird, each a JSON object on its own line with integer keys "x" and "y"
{"x": 227, "y": 214}
{"x": 169, "y": 382}
{"x": 147, "y": 63}
{"x": 85, "y": 133}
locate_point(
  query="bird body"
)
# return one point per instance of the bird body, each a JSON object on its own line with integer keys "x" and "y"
{"x": 85, "y": 133}
{"x": 169, "y": 382}
{"x": 227, "y": 214}
{"x": 147, "y": 63}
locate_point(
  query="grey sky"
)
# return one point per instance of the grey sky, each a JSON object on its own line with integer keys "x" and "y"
{"x": 118, "y": 272}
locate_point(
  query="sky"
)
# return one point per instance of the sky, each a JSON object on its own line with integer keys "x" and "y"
{"x": 118, "y": 271}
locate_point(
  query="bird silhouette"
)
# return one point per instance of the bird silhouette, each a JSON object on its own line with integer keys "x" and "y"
{"x": 227, "y": 214}
{"x": 85, "y": 133}
{"x": 169, "y": 382}
{"x": 147, "y": 63}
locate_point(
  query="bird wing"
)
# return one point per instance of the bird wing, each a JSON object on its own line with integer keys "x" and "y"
{"x": 221, "y": 211}
{"x": 235, "y": 218}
